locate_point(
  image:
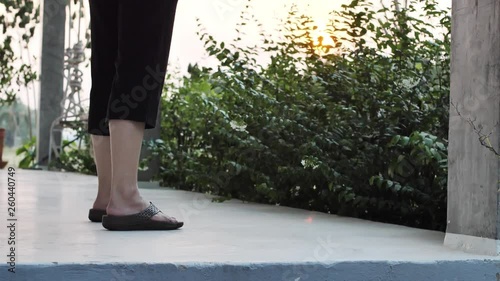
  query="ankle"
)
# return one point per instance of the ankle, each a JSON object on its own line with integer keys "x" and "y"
{"x": 119, "y": 206}
{"x": 123, "y": 198}
{"x": 100, "y": 203}
{"x": 101, "y": 200}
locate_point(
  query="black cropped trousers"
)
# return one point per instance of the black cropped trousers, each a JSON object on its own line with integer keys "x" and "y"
{"x": 130, "y": 41}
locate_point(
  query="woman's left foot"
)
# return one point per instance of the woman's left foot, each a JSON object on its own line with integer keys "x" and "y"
{"x": 98, "y": 208}
{"x": 95, "y": 215}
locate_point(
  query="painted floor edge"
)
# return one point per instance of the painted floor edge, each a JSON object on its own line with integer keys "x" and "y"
{"x": 468, "y": 270}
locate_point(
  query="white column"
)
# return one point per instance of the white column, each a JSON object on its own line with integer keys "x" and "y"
{"x": 473, "y": 202}
{"x": 52, "y": 79}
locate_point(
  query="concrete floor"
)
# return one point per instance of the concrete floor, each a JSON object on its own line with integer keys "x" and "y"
{"x": 53, "y": 228}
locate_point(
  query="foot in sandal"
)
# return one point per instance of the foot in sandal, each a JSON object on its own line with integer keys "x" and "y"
{"x": 137, "y": 215}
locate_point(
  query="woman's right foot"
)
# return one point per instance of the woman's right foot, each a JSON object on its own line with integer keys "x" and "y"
{"x": 142, "y": 220}
{"x": 128, "y": 205}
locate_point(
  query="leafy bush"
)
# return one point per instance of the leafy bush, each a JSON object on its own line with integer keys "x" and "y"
{"x": 76, "y": 155}
{"x": 18, "y": 17}
{"x": 28, "y": 153}
{"x": 415, "y": 183}
{"x": 357, "y": 127}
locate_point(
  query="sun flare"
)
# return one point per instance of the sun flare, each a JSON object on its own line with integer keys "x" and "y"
{"x": 321, "y": 35}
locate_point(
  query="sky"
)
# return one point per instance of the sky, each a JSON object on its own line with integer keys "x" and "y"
{"x": 219, "y": 17}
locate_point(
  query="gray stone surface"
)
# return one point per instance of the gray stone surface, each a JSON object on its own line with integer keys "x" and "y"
{"x": 342, "y": 271}
{"x": 475, "y": 91}
{"x": 232, "y": 240}
{"x": 52, "y": 76}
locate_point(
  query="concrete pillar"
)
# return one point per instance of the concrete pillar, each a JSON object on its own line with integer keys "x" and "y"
{"x": 52, "y": 79}
{"x": 473, "y": 180}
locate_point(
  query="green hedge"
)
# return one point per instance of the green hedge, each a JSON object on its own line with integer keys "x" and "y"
{"x": 358, "y": 128}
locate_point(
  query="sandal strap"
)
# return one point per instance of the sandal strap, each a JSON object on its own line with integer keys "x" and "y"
{"x": 149, "y": 212}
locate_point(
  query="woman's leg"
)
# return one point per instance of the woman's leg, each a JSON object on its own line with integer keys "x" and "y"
{"x": 125, "y": 197}
{"x": 104, "y": 41}
{"x": 126, "y": 140}
{"x": 104, "y": 26}
{"x": 144, "y": 35}
{"x": 102, "y": 159}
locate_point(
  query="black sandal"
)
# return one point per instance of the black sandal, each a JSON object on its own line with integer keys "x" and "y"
{"x": 95, "y": 215}
{"x": 140, "y": 221}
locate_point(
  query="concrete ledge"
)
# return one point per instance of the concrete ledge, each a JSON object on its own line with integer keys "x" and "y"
{"x": 472, "y": 244}
{"x": 486, "y": 270}
{"x": 233, "y": 240}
